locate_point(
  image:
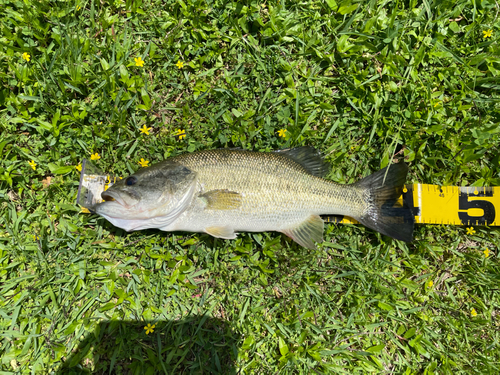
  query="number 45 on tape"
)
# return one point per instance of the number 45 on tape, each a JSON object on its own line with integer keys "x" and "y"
{"x": 433, "y": 204}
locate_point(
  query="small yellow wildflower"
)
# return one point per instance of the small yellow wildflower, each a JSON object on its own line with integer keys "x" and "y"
{"x": 282, "y": 133}
{"x": 470, "y": 231}
{"x": 95, "y": 156}
{"x": 145, "y": 130}
{"x": 473, "y": 312}
{"x": 181, "y": 133}
{"x": 35, "y": 237}
{"x": 139, "y": 61}
{"x": 79, "y": 167}
{"x": 436, "y": 104}
{"x": 26, "y": 56}
{"x": 143, "y": 163}
{"x": 78, "y": 7}
{"x": 180, "y": 64}
{"x": 487, "y": 33}
{"x": 149, "y": 328}
{"x": 486, "y": 253}
{"x": 429, "y": 284}
{"x": 32, "y": 164}
{"x": 14, "y": 364}
{"x": 84, "y": 210}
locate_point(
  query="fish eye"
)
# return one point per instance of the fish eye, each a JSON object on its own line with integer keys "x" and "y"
{"x": 130, "y": 181}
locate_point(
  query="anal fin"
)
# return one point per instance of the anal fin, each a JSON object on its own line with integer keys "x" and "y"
{"x": 307, "y": 232}
{"x": 221, "y": 232}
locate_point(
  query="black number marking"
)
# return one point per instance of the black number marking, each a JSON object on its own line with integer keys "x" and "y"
{"x": 464, "y": 204}
{"x": 399, "y": 212}
{"x": 408, "y": 198}
{"x": 332, "y": 218}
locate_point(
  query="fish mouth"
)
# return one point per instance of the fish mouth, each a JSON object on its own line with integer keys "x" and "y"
{"x": 110, "y": 196}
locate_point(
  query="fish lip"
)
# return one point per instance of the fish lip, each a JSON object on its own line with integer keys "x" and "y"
{"x": 110, "y": 196}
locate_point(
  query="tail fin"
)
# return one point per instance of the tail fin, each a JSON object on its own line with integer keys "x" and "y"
{"x": 384, "y": 215}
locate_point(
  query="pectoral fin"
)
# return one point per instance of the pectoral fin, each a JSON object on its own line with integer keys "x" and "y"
{"x": 221, "y": 232}
{"x": 307, "y": 232}
{"x": 221, "y": 200}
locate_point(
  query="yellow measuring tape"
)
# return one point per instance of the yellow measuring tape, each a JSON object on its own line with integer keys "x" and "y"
{"x": 433, "y": 204}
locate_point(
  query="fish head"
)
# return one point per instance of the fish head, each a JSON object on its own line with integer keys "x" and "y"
{"x": 152, "y": 197}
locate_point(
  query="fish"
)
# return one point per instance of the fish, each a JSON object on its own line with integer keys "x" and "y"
{"x": 223, "y": 192}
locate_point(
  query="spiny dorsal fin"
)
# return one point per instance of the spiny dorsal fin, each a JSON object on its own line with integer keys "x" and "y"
{"x": 221, "y": 232}
{"x": 309, "y": 158}
{"x": 221, "y": 200}
{"x": 306, "y": 232}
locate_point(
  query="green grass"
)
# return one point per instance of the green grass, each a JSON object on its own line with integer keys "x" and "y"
{"x": 364, "y": 82}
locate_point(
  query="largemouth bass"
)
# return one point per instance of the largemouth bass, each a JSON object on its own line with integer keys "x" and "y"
{"x": 225, "y": 191}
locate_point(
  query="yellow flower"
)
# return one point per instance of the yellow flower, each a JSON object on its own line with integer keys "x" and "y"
{"x": 181, "y": 133}
{"x": 78, "y": 7}
{"x": 180, "y": 64}
{"x": 470, "y": 231}
{"x": 486, "y": 253}
{"x": 95, "y": 156}
{"x": 79, "y": 167}
{"x": 26, "y": 56}
{"x": 149, "y": 328}
{"x": 32, "y": 164}
{"x": 84, "y": 210}
{"x": 487, "y": 33}
{"x": 282, "y": 133}
{"x": 143, "y": 163}
{"x": 145, "y": 130}
{"x": 473, "y": 312}
{"x": 139, "y": 61}
{"x": 429, "y": 284}
{"x": 35, "y": 237}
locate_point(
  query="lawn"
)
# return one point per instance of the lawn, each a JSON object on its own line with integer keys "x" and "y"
{"x": 130, "y": 83}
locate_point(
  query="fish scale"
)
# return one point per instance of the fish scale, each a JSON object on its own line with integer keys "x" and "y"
{"x": 276, "y": 190}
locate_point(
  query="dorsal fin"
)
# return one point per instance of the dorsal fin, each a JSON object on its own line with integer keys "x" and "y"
{"x": 309, "y": 158}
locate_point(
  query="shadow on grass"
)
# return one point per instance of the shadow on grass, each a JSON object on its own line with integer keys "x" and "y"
{"x": 194, "y": 345}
